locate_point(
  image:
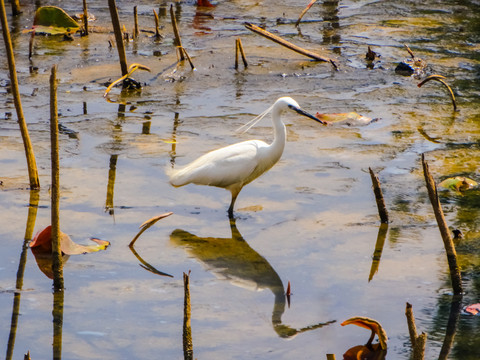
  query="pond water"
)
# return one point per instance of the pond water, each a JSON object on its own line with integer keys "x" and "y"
{"x": 311, "y": 220}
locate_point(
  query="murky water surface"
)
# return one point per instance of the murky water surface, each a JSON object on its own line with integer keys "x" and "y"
{"x": 311, "y": 220}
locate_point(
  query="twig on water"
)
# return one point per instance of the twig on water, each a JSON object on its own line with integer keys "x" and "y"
{"x": 445, "y": 233}
{"x": 31, "y": 163}
{"x": 305, "y": 11}
{"x": 55, "y": 191}
{"x": 182, "y": 50}
{"x": 289, "y": 45}
{"x": 382, "y": 209}
{"x": 440, "y": 79}
{"x": 409, "y": 51}
{"x": 148, "y": 224}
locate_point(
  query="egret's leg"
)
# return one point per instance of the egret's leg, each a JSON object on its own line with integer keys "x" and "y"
{"x": 232, "y": 203}
{"x": 230, "y": 209}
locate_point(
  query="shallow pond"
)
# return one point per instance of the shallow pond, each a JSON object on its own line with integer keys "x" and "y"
{"x": 311, "y": 220}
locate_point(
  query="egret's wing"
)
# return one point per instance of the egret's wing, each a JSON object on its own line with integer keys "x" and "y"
{"x": 222, "y": 167}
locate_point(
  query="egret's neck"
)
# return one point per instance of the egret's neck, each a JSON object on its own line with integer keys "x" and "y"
{"x": 279, "y": 133}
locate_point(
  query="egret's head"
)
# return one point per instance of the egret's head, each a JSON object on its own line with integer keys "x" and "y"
{"x": 288, "y": 102}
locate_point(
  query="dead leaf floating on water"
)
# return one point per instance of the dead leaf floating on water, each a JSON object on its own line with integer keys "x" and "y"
{"x": 42, "y": 242}
{"x": 53, "y": 20}
{"x": 351, "y": 118}
{"x": 458, "y": 183}
{"x": 372, "y": 325}
{"x": 441, "y": 79}
{"x": 473, "y": 309}
{"x": 148, "y": 224}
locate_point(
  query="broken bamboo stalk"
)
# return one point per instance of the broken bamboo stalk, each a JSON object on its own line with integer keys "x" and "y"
{"x": 55, "y": 191}
{"x": 445, "y": 233}
{"x": 412, "y": 328}
{"x": 289, "y": 45}
{"x": 382, "y": 209}
{"x": 27, "y": 144}
{"x": 419, "y": 348}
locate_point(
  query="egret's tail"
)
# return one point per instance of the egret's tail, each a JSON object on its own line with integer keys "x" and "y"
{"x": 173, "y": 176}
{"x": 179, "y": 177}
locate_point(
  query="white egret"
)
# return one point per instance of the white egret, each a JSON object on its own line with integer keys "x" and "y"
{"x": 234, "y": 166}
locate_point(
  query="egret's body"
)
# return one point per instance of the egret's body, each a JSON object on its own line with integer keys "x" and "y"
{"x": 234, "y": 166}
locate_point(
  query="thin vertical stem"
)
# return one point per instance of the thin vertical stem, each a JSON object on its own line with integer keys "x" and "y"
{"x": 31, "y": 163}
{"x": 382, "y": 209}
{"x": 118, "y": 36}
{"x": 443, "y": 227}
{"x": 16, "y": 9}
{"x": 236, "y": 54}
{"x": 178, "y": 41}
{"x": 55, "y": 216}
{"x": 412, "y": 328}
{"x": 85, "y": 17}
{"x": 157, "y": 25}
{"x": 242, "y": 52}
{"x": 187, "y": 326}
{"x": 136, "y": 32}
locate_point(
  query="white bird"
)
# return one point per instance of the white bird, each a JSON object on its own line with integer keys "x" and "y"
{"x": 234, "y": 166}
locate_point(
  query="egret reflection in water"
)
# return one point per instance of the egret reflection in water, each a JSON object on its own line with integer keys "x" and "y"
{"x": 234, "y": 260}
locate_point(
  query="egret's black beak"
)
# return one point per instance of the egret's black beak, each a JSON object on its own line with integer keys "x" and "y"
{"x": 304, "y": 113}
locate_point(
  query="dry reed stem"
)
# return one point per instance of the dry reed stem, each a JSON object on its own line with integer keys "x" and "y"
{"x": 382, "y": 209}
{"x": 412, "y": 328}
{"x": 157, "y": 25}
{"x": 305, "y": 11}
{"x": 136, "y": 32}
{"x": 237, "y": 50}
{"x": 419, "y": 348}
{"x": 31, "y": 163}
{"x": 187, "y": 326}
{"x": 85, "y": 18}
{"x": 440, "y": 79}
{"x": 289, "y": 45}
{"x": 177, "y": 41}
{"x": 409, "y": 51}
{"x": 445, "y": 233}
{"x": 16, "y": 9}
{"x": 118, "y": 36}
{"x": 184, "y": 51}
{"x": 55, "y": 191}
{"x": 242, "y": 52}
